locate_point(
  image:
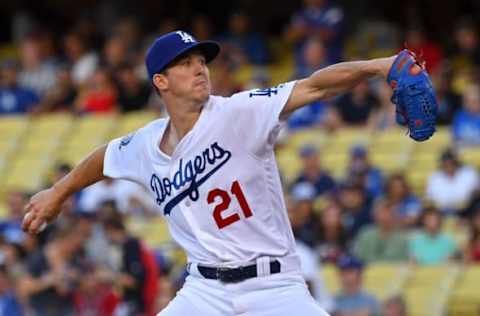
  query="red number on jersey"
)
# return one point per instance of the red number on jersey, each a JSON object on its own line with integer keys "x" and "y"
{"x": 225, "y": 203}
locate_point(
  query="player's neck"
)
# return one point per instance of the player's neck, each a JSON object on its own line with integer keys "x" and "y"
{"x": 182, "y": 120}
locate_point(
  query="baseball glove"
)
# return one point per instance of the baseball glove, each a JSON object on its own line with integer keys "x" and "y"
{"x": 413, "y": 95}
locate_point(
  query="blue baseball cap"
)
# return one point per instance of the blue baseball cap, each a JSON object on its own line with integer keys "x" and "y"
{"x": 167, "y": 47}
{"x": 347, "y": 262}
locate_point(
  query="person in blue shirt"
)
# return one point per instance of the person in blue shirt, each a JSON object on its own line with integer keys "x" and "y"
{"x": 466, "y": 124}
{"x": 312, "y": 171}
{"x": 352, "y": 299}
{"x": 9, "y": 305}
{"x": 318, "y": 18}
{"x": 408, "y": 207}
{"x": 314, "y": 114}
{"x": 241, "y": 38}
{"x": 14, "y": 99}
{"x": 362, "y": 171}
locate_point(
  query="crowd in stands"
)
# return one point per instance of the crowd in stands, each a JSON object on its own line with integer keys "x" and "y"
{"x": 88, "y": 263}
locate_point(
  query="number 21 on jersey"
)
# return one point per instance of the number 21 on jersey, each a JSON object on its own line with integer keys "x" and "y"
{"x": 225, "y": 199}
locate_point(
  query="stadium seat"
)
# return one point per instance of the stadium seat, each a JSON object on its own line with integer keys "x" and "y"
{"x": 465, "y": 297}
{"x": 427, "y": 288}
{"x": 130, "y": 122}
{"x": 384, "y": 280}
{"x": 330, "y": 277}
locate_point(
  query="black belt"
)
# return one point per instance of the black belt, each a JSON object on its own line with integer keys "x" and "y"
{"x": 233, "y": 275}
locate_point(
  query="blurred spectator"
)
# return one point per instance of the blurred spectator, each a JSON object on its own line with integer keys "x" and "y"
{"x": 465, "y": 56}
{"x": 374, "y": 36}
{"x": 417, "y": 41}
{"x": 129, "y": 30}
{"x": 356, "y": 208}
{"x": 394, "y": 306}
{"x": 384, "y": 117}
{"x": 54, "y": 273}
{"x": 223, "y": 83}
{"x": 128, "y": 196}
{"x": 37, "y": 73}
{"x": 14, "y": 98}
{"x": 315, "y": 113}
{"x": 10, "y": 226}
{"x": 332, "y": 235}
{"x": 361, "y": 170}
{"x": 407, "y": 206}
{"x": 384, "y": 241}
{"x": 356, "y": 108}
{"x": 133, "y": 93}
{"x": 320, "y": 18}
{"x": 83, "y": 60}
{"x": 310, "y": 266}
{"x": 62, "y": 96}
{"x": 466, "y": 123}
{"x": 472, "y": 250}
{"x": 451, "y": 187}
{"x": 302, "y": 214}
{"x": 138, "y": 275}
{"x": 242, "y": 38}
{"x": 201, "y": 27}
{"x": 9, "y": 304}
{"x": 449, "y": 102}
{"x": 431, "y": 246}
{"x": 312, "y": 171}
{"x": 115, "y": 52}
{"x": 100, "y": 94}
{"x": 352, "y": 299}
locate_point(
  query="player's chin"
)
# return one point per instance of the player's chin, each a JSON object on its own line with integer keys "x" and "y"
{"x": 202, "y": 94}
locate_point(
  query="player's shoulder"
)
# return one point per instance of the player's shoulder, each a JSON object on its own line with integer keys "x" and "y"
{"x": 251, "y": 95}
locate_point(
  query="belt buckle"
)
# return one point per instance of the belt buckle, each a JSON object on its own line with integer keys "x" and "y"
{"x": 221, "y": 274}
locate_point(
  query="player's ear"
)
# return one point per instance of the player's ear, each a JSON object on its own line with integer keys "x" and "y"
{"x": 160, "y": 81}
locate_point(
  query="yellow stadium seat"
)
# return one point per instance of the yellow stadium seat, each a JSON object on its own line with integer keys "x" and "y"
{"x": 470, "y": 156}
{"x": 12, "y": 127}
{"x": 330, "y": 276}
{"x": 384, "y": 280}
{"x": 312, "y": 136}
{"x": 426, "y": 290}
{"x": 465, "y": 298}
{"x": 26, "y": 173}
{"x": 132, "y": 121}
{"x": 154, "y": 231}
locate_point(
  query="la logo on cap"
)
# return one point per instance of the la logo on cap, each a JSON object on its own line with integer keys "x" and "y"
{"x": 186, "y": 38}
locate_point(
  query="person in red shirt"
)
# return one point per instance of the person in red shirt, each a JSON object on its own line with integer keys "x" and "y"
{"x": 472, "y": 250}
{"x": 417, "y": 41}
{"x": 100, "y": 94}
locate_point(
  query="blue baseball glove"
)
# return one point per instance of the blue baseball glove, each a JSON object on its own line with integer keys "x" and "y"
{"x": 413, "y": 95}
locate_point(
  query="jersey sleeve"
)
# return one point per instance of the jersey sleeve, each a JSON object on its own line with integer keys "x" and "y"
{"x": 123, "y": 157}
{"x": 254, "y": 115}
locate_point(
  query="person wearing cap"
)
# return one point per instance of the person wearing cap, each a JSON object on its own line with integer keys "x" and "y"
{"x": 352, "y": 299}
{"x": 361, "y": 169}
{"x": 303, "y": 218}
{"x": 313, "y": 172}
{"x": 210, "y": 168}
{"x": 14, "y": 99}
{"x": 451, "y": 187}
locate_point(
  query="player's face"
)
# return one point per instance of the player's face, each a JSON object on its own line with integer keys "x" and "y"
{"x": 189, "y": 78}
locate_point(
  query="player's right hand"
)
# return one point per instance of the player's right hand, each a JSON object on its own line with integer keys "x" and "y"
{"x": 42, "y": 209}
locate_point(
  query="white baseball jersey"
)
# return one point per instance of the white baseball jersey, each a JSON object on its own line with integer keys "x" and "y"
{"x": 220, "y": 190}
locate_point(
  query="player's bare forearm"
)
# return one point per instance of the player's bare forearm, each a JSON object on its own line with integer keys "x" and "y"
{"x": 45, "y": 206}
{"x": 334, "y": 80}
